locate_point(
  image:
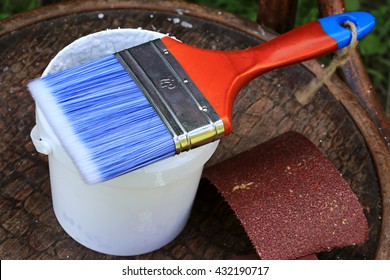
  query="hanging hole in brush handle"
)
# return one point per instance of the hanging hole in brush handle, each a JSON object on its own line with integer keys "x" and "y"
{"x": 41, "y": 146}
{"x": 335, "y": 28}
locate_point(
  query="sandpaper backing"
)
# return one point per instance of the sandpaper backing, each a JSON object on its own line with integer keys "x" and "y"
{"x": 290, "y": 198}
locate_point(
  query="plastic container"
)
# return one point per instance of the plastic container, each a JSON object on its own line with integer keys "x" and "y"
{"x": 135, "y": 213}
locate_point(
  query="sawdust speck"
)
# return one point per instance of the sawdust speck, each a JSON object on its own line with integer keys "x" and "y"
{"x": 243, "y": 186}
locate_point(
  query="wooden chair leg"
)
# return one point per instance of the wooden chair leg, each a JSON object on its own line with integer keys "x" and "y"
{"x": 278, "y": 15}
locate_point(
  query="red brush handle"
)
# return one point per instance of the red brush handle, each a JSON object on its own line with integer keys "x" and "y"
{"x": 220, "y": 75}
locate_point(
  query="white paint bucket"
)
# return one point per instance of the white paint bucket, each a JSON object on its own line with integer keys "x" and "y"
{"x": 135, "y": 213}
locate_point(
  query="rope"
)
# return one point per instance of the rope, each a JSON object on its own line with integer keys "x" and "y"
{"x": 305, "y": 94}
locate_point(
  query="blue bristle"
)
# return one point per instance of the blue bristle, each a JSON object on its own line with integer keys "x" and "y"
{"x": 108, "y": 115}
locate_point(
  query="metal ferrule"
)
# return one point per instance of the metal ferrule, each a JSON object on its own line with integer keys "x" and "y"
{"x": 183, "y": 108}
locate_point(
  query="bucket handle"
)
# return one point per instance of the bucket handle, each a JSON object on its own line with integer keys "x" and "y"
{"x": 42, "y": 146}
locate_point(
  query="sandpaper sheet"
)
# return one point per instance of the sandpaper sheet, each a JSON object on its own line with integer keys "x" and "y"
{"x": 290, "y": 198}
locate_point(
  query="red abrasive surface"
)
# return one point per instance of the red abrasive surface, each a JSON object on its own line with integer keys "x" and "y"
{"x": 290, "y": 198}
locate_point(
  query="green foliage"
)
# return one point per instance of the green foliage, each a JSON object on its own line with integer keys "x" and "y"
{"x": 10, "y": 7}
{"x": 307, "y": 11}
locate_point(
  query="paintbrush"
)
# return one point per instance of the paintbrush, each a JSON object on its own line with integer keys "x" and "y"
{"x": 158, "y": 99}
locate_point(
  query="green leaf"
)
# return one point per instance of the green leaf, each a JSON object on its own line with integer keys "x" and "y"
{"x": 4, "y": 15}
{"x": 352, "y": 5}
{"x": 371, "y": 44}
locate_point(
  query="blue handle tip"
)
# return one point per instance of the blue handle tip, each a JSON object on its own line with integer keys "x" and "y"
{"x": 333, "y": 26}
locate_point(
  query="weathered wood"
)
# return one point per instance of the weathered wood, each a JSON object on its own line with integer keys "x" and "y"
{"x": 264, "y": 109}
